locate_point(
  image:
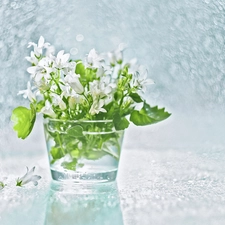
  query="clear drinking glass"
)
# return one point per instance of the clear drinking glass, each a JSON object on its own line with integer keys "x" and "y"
{"x": 83, "y": 151}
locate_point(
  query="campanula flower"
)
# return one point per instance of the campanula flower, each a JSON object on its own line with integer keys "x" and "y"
{"x": 28, "y": 177}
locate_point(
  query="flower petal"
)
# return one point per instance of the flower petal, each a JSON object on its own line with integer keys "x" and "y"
{"x": 41, "y": 42}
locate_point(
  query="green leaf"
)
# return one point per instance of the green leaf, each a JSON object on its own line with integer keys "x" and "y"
{"x": 118, "y": 95}
{"x": 75, "y": 153}
{"x": 94, "y": 155}
{"x": 75, "y": 131}
{"x": 136, "y": 97}
{"x": 70, "y": 165}
{"x": 148, "y": 115}
{"x": 111, "y": 108}
{"x": 23, "y": 119}
{"x": 40, "y": 105}
{"x": 56, "y": 153}
{"x": 120, "y": 123}
{"x": 154, "y": 112}
{"x": 139, "y": 119}
{"x": 80, "y": 69}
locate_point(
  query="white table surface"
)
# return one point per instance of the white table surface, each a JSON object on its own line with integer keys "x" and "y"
{"x": 173, "y": 186}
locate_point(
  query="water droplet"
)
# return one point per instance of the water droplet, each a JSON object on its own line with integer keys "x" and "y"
{"x": 73, "y": 51}
{"x": 79, "y": 37}
{"x": 122, "y": 46}
{"x": 13, "y": 4}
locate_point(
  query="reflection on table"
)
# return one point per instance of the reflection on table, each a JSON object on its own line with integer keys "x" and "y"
{"x": 82, "y": 204}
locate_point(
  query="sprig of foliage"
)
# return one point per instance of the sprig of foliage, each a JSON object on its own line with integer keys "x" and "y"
{"x": 95, "y": 88}
{"x": 100, "y": 87}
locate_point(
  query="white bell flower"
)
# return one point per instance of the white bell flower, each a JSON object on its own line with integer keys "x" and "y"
{"x": 47, "y": 109}
{"x": 133, "y": 66}
{"x": 94, "y": 60}
{"x": 61, "y": 59}
{"x": 100, "y": 72}
{"x": 115, "y": 57}
{"x": 101, "y": 88}
{"x": 42, "y": 69}
{"x": 66, "y": 90}
{"x": 28, "y": 93}
{"x": 38, "y": 48}
{"x": 69, "y": 67}
{"x": 140, "y": 80}
{"x": 32, "y": 59}
{"x": 75, "y": 99}
{"x": 43, "y": 85}
{"x": 37, "y": 72}
{"x": 97, "y": 107}
{"x": 73, "y": 80}
{"x": 57, "y": 100}
{"x": 50, "y": 51}
{"x": 28, "y": 177}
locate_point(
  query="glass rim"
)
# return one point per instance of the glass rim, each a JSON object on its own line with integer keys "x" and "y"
{"x": 78, "y": 121}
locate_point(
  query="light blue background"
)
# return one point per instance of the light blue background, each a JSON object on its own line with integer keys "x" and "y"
{"x": 180, "y": 42}
{"x": 181, "y": 163}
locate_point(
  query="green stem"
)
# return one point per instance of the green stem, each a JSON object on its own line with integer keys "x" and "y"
{"x": 57, "y": 84}
{"x": 121, "y": 101}
{"x": 86, "y": 98}
{"x": 60, "y": 144}
{"x": 111, "y": 153}
{"x": 119, "y": 72}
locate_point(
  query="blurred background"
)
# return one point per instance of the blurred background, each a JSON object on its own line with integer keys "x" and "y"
{"x": 172, "y": 171}
{"x": 180, "y": 42}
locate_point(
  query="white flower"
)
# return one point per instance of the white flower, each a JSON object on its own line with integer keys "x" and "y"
{"x": 43, "y": 85}
{"x": 50, "y": 51}
{"x": 133, "y": 66}
{"x": 28, "y": 177}
{"x": 95, "y": 89}
{"x": 38, "y": 47}
{"x": 57, "y": 100}
{"x": 106, "y": 82}
{"x": 100, "y": 71}
{"x": 115, "y": 57}
{"x": 101, "y": 88}
{"x": 97, "y": 107}
{"x": 61, "y": 59}
{"x": 41, "y": 43}
{"x": 46, "y": 65}
{"x": 66, "y": 90}
{"x": 28, "y": 93}
{"x": 106, "y": 70}
{"x": 53, "y": 87}
{"x": 42, "y": 69}
{"x": 75, "y": 99}
{"x": 35, "y": 72}
{"x": 73, "y": 80}
{"x": 108, "y": 99}
{"x": 69, "y": 67}
{"x": 47, "y": 109}
{"x": 140, "y": 80}
{"x": 93, "y": 60}
{"x": 32, "y": 59}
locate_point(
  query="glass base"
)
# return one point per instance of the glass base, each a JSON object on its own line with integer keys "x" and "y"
{"x": 78, "y": 177}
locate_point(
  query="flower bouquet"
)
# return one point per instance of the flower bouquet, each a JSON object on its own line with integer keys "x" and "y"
{"x": 86, "y": 105}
